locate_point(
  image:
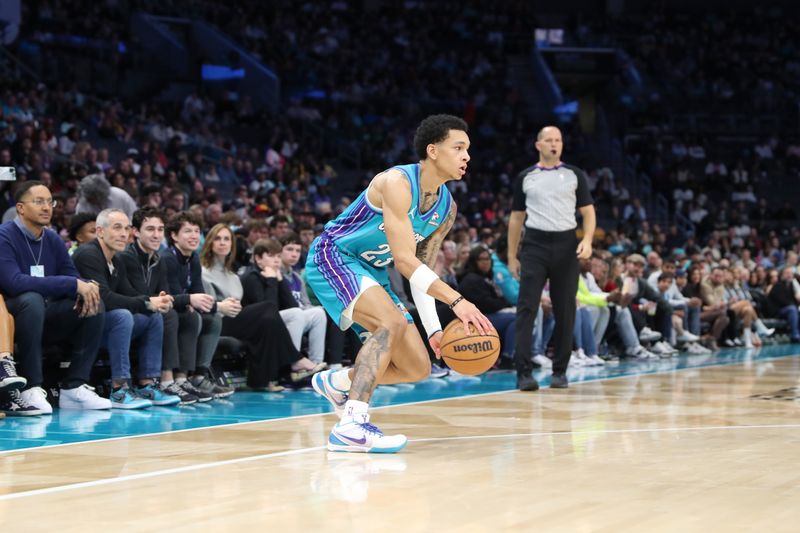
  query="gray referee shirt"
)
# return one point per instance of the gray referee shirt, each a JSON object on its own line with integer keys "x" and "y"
{"x": 550, "y": 196}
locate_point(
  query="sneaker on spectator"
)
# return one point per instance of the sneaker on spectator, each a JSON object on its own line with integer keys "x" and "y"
{"x": 648, "y": 335}
{"x": 13, "y": 404}
{"x": 596, "y": 360}
{"x": 184, "y": 397}
{"x": 575, "y": 360}
{"x": 543, "y": 361}
{"x": 37, "y": 397}
{"x": 202, "y": 396}
{"x": 694, "y": 348}
{"x": 9, "y": 380}
{"x": 156, "y": 396}
{"x": 438, "y": 371}
{"x": 688, "y": 337}
{"x": 83, "y": 397}
{"x": 663, "y": 349}
{"x": 124, "y": 398}
{"x": 223, "y": 391}
{"x": 640, "y": 352}
{"x": 203, "y": 383}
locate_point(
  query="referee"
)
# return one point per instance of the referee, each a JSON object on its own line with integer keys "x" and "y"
{"x": 546, "y": 196}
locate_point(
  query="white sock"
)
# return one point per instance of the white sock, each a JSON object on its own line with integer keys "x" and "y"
{"x": 341, "y": 379}
{"x": 353, "y": 409}
{"x": 748, "y": 338}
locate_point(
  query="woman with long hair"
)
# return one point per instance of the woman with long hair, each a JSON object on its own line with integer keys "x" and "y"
{"x": 254, "y": 321}
{"x": 477, "y": 280}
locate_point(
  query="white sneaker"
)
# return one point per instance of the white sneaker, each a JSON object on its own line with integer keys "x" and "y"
{"x": 695, "y": 348}
{"x": 356, "y": 434}
{"x": 641, "y": 353}
{"x": 543, "y": 361}
{"x": 575, "y": 360}
{"x": 664, "y": 349}
{"x": 596, "y": 360}
{"x": 688, "y": 337}
{"x": 37, "y": 397}
{"x": 648, "y": 335}
{"x": 83, "y": 397}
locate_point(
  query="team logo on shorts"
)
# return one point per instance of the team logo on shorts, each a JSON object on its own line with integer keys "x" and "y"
{"x": 434, "y": 221}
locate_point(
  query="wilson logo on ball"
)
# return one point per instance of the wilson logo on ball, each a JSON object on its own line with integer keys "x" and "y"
{"x": 475, "y": 347}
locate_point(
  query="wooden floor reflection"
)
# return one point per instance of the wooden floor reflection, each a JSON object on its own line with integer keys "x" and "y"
{"x": 706, "y": 449}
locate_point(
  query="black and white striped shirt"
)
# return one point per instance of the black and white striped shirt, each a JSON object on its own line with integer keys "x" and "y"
{"x": 550, "y": 196}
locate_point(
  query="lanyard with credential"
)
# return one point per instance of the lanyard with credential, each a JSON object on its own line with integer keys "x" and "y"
{"x": 37, "y": 270}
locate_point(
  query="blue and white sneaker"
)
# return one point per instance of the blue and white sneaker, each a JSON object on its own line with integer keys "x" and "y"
{"x": 157, "y": 396}
{"x": 358, "y": 435}
{"x": 324, "y": 386}
{"x": 124, "y": 398}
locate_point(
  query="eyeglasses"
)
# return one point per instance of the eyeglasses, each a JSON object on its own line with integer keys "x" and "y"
{"x": 41, "y": 202}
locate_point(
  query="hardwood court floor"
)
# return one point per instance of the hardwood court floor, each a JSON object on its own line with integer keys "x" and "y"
{"x": 703, "y": 449}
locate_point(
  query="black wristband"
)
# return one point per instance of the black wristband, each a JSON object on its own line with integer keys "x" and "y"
{"x": 455, "y": 302}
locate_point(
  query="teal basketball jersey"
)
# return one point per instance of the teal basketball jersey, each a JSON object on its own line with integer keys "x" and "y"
{"x": 359, "y": 230}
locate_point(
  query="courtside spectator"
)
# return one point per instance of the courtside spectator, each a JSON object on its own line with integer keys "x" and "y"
{"x": 44, "y": 292}
{"x": 129, "y": 316}
{"x": 301, "y": 318}
{"x": 82, "y": 229}
{"x": 199, "y": 325}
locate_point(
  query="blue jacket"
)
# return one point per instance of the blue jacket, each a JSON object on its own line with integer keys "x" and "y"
{"x": 19, "y": 251}
{"x": 503, "y": 279}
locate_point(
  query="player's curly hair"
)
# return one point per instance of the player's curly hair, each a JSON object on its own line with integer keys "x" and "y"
{"x": 434, "y": 129}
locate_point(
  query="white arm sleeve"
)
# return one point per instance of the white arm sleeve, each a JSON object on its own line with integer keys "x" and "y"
{"x": 426, "y": 306}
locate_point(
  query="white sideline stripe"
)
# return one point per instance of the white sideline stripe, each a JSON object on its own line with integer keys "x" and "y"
{"x": 155, "y": 473}
{"x": 204, "y": 466}
{"x": 249, "y": 422}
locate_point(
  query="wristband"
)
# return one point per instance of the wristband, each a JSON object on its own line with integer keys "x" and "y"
{"x": 422, "y": 278}
{"x": 455, "y": 302}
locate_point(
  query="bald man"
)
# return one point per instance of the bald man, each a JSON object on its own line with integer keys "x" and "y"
{"x": 546, "y": 196}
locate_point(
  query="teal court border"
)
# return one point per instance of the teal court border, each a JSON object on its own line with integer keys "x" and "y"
{"x": 69, "y": 427}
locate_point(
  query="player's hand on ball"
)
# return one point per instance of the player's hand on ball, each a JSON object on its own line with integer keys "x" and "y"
{"x": 468, "y": 313}
{"x": 435, "y": 341}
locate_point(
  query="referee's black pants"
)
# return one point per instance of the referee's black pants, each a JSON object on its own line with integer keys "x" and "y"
{"x": 547, "y": 255}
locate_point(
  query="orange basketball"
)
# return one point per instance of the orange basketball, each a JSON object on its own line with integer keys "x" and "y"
{"x": 469, "y": 353}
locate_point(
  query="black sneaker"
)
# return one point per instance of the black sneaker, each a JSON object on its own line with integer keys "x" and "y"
{"x": 526, "y": 382}
{"x": 201, "y": 395}
{"x": 187, "y": 398}
{"x": 559, "y": 381}
{"x": 13, "y": 404}
{"x": 223, "y": 391}
{"x": 204, "y": 384}
{"x": 9, "y": 380}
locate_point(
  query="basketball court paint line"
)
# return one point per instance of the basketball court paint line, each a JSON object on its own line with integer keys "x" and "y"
{"x": 506, "y": 384}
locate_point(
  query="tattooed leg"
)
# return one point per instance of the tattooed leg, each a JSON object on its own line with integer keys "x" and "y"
{"x": 368, "y": 365}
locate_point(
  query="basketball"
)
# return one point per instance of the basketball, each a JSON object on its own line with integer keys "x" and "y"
{"x": 469, "y": 353}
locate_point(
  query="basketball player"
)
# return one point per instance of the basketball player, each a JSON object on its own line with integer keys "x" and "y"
{"x": 402, "y": 217}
